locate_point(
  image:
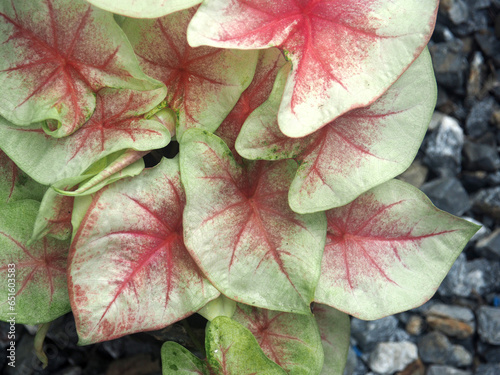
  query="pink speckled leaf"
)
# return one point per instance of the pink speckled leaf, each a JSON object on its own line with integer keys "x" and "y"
{"x": 335, "y": 329}
{"x": 144, "y": 8}
{"x": 240, "y": 230}
{"x": 203, "y": 83}
{"x": 353, "y": 153}
{"x": 388, "y": 251}
{"x": 129, "y": 270}
{"x": 54, "y": 56}
{"x": 344, "y": 53}
{"x": 41, "y": 292}
{"x": 16, "y": 185}
{"x": 291, "y": 340}
{"x": 268, "y": 65}
{"x": 117, "y": 124}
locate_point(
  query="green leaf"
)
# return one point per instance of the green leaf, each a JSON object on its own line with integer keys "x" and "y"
{"x": 233, "y": 350}
{"x": 240, "y": 230}
{"x": 41, "y": 292}
{"x": 177, "y": 360}
{"x": 355, "y": 152}
{"x": 144, "y": 8}
{"x": 117, "y": 125}
{"x": 388, "y": 251}
{"x": 335, "y": 329}
{"x": 203, "y": 83}
{"x": 291, "y": 340}
{"x": 55, "y": 56}
{"x": 131, "y": 240}
{"x": 16, "y": 185}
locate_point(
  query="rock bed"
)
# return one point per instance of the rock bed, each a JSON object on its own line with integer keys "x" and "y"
{"x": 458, "y": 166}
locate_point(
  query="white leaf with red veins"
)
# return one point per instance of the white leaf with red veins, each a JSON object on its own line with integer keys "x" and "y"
{"x": 241, "y": 231}
{"x": 55, "y": 55}
{"x": 144, "y": 8}
{"x": 128, "y": 268}
{"x": 345, "y": 53}
{"x": 203, "y": 83}
{"x": 268, "y": 65}
{"x": 388, "y": 251}
{"x": 357, "y": 151}
{"x": 40, "y": 290}
{"x": 117, "y": 124}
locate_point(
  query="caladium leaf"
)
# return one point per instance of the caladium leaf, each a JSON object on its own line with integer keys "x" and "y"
{"x": 144, "y": 8}
{"x": 268, "y": 65}
{"x": 336, "y": 48}
{"x": 241, "y": 232}
{"x": 233, "y": 350}
{"x": 353, "y": 153}
{"x": 203, "y": 83}
{"x": 177, "y": 360}
{"x": 116, "y": 125}
{"x": 131, "y": 240}
{"x": 16, "y": 185}
{"x": 55, "y": 54}
{"x": 126, "y": 164}
{"x": 41, "y": 293}
{"x": 379, "y": 259}
{"x": 335, "y": 329}
{"x": 291, "y": 340}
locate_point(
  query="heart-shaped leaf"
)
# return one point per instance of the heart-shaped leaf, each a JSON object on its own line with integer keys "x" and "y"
{"x": 290, "y": 340}
{"x": 40, "y": 292}
{"x": 268, "y": 65}
{"x": 335, "y": 329}
{"x": 337, "y": 48}
{"x": 131, "y": 241}
{"x": 203, "y": 83}
{"x": 233, "y": 350}
{"x": 388, "y": 251}
{"x": 54, "y": 56}
{"x": 239, "y": 228}
{"x": 357, "y": 151}
{"x": 16, "y": 185}
{"x": 116, "y": 125}
{"x": 177, "y": 360}
{"x": 144, "y": 8}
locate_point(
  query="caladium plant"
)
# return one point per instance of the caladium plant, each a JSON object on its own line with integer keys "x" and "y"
{"x": 280, "y": 215}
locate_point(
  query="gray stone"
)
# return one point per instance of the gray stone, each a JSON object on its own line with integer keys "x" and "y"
{"x": 369, "y": 333}
{"x": 476, "y": 74}
{"x": 487, "y": 369}
{"x": 448, "y": 194}
{"x": 479, "y": 116}
{"x": 464, "y": 278}
{"x": 457, "y": 11}
{"x": 443, "y": 151}
{"x": 445, "y": 370}
{"x": 415, "y": 175}
{"x": 389, "y": 357}
{"x": 488, "y": 319}
{"x": 450, "y": 64}
{"x": 488, "y": 201}
{"x": 435, "y": 348}
{"x": 352, "y": 361}
{"x": 489, "y": 247}
{"x": 480, "y": 157}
